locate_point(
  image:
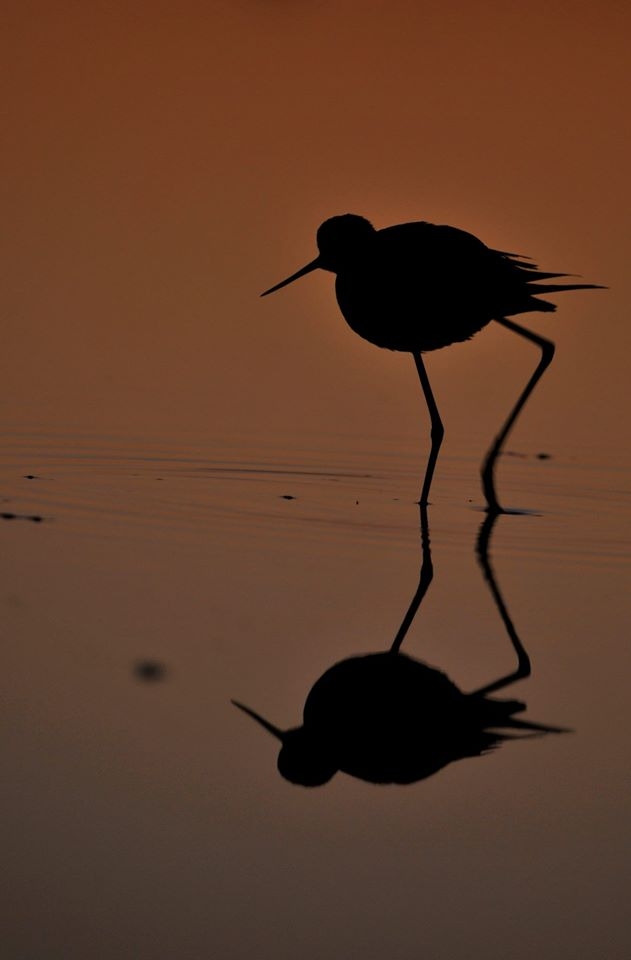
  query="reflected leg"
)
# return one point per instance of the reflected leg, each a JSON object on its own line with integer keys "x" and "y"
{"x": 488, "y": 466}
{"x": 425, "y": 578}
{"x": 523, "y": 660}
{"x": 437, "y": 429}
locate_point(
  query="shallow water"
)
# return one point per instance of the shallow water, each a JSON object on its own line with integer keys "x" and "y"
{"x": 147, "y": 819}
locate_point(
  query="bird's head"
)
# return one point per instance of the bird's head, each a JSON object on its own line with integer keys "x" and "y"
{"x": 342, "y": 238}
{"x": 340, "y": 241}
{"x": 303, "y": 759}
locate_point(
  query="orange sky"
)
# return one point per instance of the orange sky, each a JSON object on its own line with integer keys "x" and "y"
{"x": 164, "y": 165}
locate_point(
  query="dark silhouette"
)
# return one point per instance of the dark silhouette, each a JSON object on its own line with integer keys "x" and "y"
{"x": 388, "y": 718}
{"x": 417, "y": 287}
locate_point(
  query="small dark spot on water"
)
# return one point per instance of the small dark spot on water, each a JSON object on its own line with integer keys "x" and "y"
{"x": 287, "y": 496}
{"x": 34, "y": 518}
{"x": 149, "y": 671}
{"x": 30, "y": 476}
{"x": 357, "y": 503}
{"x": 159, "y": 478}
{"x": 524, "y": 456}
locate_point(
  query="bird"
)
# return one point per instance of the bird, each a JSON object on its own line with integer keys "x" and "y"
{"x": 390, "y": 718}
{"x": 387, "y": 717}
{"x": 417, "y": 287}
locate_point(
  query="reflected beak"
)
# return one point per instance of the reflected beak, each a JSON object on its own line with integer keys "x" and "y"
{"x": 275, "y": 731}
{"x": 314, "y": 265}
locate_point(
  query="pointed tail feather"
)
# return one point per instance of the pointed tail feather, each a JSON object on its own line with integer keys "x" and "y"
{"x": 537, "y": 275}
{"x": 515, "y": 724}
{"x": 560, "y": 287}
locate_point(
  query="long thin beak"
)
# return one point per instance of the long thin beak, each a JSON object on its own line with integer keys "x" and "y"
{"x": 314, "y": 265}
{"x": 275, "y": 731}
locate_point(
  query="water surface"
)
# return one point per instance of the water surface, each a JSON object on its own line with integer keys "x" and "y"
{"x": 146, "y": 818}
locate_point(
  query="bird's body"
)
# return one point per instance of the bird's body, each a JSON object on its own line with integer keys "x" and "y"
{"x": 417, "y": 287}
{"x": 404, "y": 276}
{"x": 389, "y": 718}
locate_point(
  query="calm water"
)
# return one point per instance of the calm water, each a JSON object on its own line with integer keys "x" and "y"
{"x": 147, "y": 819}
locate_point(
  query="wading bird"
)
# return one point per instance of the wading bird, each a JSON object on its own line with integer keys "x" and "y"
{"x": 390, "y": 718}
{"x": 417, "y": 287}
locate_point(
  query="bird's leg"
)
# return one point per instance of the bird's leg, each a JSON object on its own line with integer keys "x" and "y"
{"x": 523, "y": 660}
{"x": 425, "y": 578}
{"x": 488, "y": 466}
{"x": 437, "y": 431}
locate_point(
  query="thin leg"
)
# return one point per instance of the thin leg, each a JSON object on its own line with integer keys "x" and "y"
{"x": 523, "y": 660}
{"x": 425, "y": 578}
{"x": 488, "y": 466}
{"x": 437, "y": 430}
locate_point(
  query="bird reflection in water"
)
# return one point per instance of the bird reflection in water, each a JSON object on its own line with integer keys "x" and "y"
{"x": 389, "y": 718}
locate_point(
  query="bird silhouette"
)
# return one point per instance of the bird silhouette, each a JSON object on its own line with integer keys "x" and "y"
{"x": 387, "y": 717}
{"x": 417, "y": 287}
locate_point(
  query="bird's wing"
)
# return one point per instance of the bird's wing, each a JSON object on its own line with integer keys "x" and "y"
{"x": 447, "y": 256}
{"x": 456, "y": 261}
